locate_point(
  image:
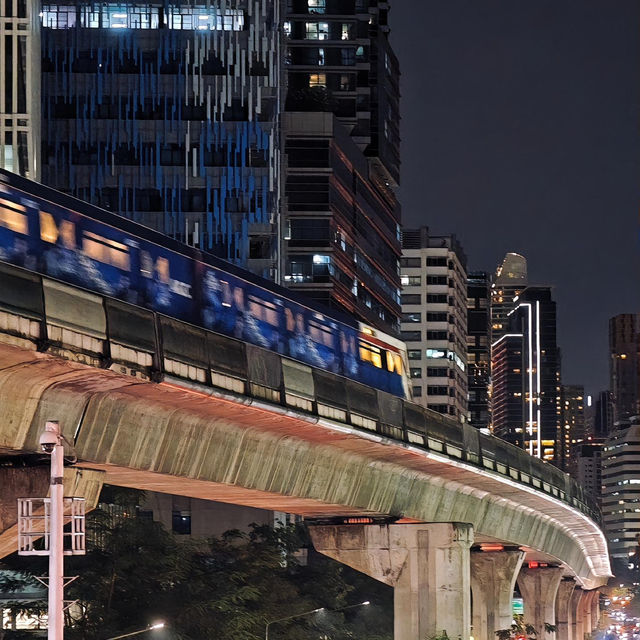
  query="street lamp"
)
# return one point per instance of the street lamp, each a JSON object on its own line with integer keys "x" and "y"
{"x": 298, "y": 615}
{"x": 158, "y": 625}
{"x": 306, "y": 613}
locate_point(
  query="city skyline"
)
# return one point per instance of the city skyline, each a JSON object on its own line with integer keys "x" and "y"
{"x": 515, "y": 120}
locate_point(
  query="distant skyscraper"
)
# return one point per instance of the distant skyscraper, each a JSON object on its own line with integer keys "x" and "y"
{"x": 434, "y": 320}
{"x": 478, "y": 347}
{"x": 526, "y": 376}
{"x": 587, "y": 465}
{"x": 624, "y": 350}
{"x": 603, "y": 415}
{"x": 509, "y": 281}
{"x": 572, "y": 427}
{"x": 621, "y": 489}
{"x": 341, "y": 218}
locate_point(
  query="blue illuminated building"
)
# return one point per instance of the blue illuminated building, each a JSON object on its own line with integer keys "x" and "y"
{"x": 166, "y": 114}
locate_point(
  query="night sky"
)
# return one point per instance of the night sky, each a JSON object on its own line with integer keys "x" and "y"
{"x": 520, "y": 133}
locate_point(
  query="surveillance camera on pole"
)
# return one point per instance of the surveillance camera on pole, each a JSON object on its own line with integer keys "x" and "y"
{"x": 32, "y": 527}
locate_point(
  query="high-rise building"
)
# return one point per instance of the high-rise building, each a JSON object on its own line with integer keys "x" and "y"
{"x": 586, "y": 466}
{"x": 603, "y": 415}
{"x": 168, "y": 114}
{"x": 341, "y": 219}
{"x": 572, "y": 428}
{"x": 525, "y": 364}
{"x": 509, "y": 281}
{"x": 478, "y": 347}
{"x": 624, "y": 350}
{"x": 434, "y": 320}
{"x": 621, "y": 489}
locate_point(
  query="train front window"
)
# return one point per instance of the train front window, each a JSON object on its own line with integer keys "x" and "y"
{"x": 394, "y": 362}
{"x": 369, "y": 353}
{"x": 11, "y": 218}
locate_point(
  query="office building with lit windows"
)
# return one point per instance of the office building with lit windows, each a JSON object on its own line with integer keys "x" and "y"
{"x": 340, "y": 215}
{"x": 478, "y": 347}
{"x": 525, "y": 364}
{"x": 572, "y": 424}
{"x": 434, "y": 320}
{"x": 163, "y": 113}
{"x": 624, "y": 352}
{"x": 509, "y": 280}
{"x": 621, "y": 489}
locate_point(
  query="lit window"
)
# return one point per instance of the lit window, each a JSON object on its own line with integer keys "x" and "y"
{"x": 394, "y": 362}
{"x": 317, "y": 30}
{"x": 12, "y": 219}
{"x": 371, "y": 353}
{"x": 318, "y": 80}
{"x": 346, "y": 31}
{"x": 317, "y": 6}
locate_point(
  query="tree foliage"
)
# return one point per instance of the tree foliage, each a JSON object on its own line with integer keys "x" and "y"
{"x": 228, "y": 588}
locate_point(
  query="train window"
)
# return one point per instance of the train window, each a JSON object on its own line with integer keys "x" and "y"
{"x": 320, "y": 333}
{"x": 263, "y": 310}
{"x": 369, "y": 353}
{"x": 107, "y": 251}
{"x": 394, "y": 362}
{"x": 48, "y": 228}
{"x": 12, "y": 218}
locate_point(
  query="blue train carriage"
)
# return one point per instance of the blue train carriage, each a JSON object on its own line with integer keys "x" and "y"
{"x": 40, "y": 234}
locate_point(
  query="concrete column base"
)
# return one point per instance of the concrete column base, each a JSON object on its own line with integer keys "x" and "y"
{"x": 576, "y": 606}
{"x": 564, "y": 613}
{"x": 493, "y": 578}
{"x": 539, "y": 588}
{"x": 427, "y": 564}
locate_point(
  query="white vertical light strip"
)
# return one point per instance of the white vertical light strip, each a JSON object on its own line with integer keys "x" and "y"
{"x": 538, "y": 390}
{"x": 530, "y": 372}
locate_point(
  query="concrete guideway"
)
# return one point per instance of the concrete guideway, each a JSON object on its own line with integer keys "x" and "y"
{"x": 187, "y": 439}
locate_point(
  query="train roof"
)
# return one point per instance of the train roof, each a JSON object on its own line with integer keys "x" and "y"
{"x": 37, "y": 190}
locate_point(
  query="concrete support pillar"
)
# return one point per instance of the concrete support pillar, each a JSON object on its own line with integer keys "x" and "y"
{"x": 539, "y": 588}
{"x": 586, "y": 603}
{"x": 577, "y": 614}
{"x": 427, "y": 564}
{"x": 493, "y": 578}
{"x": 564, "y": 613}
{"x": 595, "y": 610}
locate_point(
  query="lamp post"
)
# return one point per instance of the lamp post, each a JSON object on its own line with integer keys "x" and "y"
{"x": 51, "y": 443}
{"x": 298, "y": 615}
{"x": 306, "y": 613}
{"x": 158, "y": 625}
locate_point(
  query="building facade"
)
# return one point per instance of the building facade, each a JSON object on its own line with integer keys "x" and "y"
{"x": 434, "y": 320}
{"x": 586, "y": 466}
{"x": 525, "y": 365}
{"x": 341, "y": 219}
{"x": 624, "y": 351}
{"x": 621, "y": 489}
{"x": 166, "y": 114}
{"x": 478, "y": 347}
{"x": 509, "y": 280}
{"x": 572, "y": 424}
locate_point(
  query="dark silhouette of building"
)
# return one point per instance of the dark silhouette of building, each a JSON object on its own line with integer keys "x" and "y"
{"x": 478, "y": 347}
{"x": 603, "y": 415}
{"x": 526, "y": 376}
{"x": 572, "y": 424}
{"x": 341, "y": 218}
{"x": 624, "y": 351}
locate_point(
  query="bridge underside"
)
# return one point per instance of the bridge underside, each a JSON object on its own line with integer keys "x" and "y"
{"x": 190, "y": 441}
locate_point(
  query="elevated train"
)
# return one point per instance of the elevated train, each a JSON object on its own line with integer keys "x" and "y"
{"x": 55, "y": 235}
